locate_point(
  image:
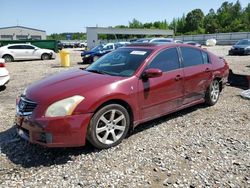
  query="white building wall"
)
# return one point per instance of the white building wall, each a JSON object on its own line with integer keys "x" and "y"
{"x": 92, "y": 33}
{"x": 19, "y": 32}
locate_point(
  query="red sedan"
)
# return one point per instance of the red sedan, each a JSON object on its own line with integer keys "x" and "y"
{"x": 124, "y": 88}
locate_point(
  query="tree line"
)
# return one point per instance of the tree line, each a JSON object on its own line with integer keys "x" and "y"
{"x": 230, "y": 17}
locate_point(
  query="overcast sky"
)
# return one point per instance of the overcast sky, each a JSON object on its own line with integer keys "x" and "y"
{"x": 56, "y": 16}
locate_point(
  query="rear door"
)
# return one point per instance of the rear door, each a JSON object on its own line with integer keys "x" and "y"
{"x": 17, "y": 51}
{"x": 158, "y": 96}
{"x": 197, "y": 73}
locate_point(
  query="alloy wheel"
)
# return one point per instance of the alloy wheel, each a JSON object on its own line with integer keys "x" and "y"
{"x": 110, "y": 126}
{"x": 215, "y": 91}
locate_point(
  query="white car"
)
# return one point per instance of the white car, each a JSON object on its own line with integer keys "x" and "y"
{"x": 24, "y": 51}
{"x": 4, "y": 74}
{"x": 161, "y": 40}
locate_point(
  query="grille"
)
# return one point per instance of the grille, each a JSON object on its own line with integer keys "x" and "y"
{"x": 26, "y": 107}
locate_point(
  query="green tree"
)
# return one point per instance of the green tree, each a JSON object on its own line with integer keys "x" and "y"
{"x": 135, "y": 24}
{"x": 246, "y": 17}
{"x": 194, "y": 21}
{"x": 210, "y": 22}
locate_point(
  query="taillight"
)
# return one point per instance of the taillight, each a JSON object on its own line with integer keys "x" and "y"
{"x": 2, "y": 64}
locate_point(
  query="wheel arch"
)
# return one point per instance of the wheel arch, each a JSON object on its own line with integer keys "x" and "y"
{"x": 8, "y": 55}
{"x": 45, "y": 53}
{"x": 124, "y": 104}
{"x": 220, "y": 81}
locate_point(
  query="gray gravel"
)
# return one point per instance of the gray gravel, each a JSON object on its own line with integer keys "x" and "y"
{"x": 196, "y": 147}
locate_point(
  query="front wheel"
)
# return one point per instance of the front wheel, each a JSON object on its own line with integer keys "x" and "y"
{"x": 108, "y": 126}
{"x": 45, "y": 57}
{"x": 213, "y": 93}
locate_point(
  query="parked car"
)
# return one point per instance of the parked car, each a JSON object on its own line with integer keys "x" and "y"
{"x": 122, "y": 89}
{"x": 193, "y": 43}
{"x": 155, "y": 40}
{"x": 242, "y": 47}
{"x": 24, "y": 51}
{"x": 178, "y": 41}
{"x": 59, "y": 45}
{"x": 83, "y": 45}
{"x": 4, "y": 73}
{"x": 142, "y": 40}
{"x": 161, "y": 40}
{"x": 98, "y": 51}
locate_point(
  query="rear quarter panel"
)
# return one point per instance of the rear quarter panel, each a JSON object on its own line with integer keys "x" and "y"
{"x": 220, "y": 67}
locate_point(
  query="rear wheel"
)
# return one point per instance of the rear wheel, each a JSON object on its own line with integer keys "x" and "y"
{"x": 108, "y": 126}
{"x": 213, "y": 93}
{"x": 8, "y": 58}
{"x": 45, "y": 56}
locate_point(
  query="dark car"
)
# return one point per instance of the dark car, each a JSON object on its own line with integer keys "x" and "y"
{"x": 242, "y": 47}
{"x": 119, "y": 91}
{"x": 193, "y": 43}
{"x": 96, "y": 52}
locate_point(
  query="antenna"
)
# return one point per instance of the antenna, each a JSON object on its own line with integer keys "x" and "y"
{"x": 17, "y": 22}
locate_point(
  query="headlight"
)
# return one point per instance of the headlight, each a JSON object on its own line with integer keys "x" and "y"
{"x": 63, "y": 107}
{"x": 233, "y": 48}
{"x": 24, "y": 92}
{"x": 87, "y": 55}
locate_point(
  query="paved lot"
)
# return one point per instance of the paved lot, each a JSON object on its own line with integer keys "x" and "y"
{"x": 197, "y": 147}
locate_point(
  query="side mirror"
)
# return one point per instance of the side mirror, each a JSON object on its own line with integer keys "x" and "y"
{"x": 151, "y": 73}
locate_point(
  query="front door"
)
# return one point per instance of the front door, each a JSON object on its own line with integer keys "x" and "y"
{"x": 161, "y": 95}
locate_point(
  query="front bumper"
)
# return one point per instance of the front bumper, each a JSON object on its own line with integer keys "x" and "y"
{"x": 239, "y": 51}
{"x": 69, "y": 131}
{"x": 4, "y": 80}
{"x": 52, "y": 55}
{"x": 87, "y": 59}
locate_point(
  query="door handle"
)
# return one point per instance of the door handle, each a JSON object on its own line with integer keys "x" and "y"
{"x": 178, "y": 77}
{"x": 207, "y": 70}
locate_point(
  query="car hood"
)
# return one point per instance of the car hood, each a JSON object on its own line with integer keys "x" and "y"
{"x": 88, "y": 52}
{"x": 241, "y": 46}
{"x": 67, "y": 84}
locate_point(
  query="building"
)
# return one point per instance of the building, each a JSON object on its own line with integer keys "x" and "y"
{"x": 93, "y": 32}
{"x": 21, "y": 33}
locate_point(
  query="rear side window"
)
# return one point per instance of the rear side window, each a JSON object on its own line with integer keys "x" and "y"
{"x": 191, "y": 56}
{"x": 15, "y": 47}
{"x": 166, "y": 60}
{"x": 205, "y": 58}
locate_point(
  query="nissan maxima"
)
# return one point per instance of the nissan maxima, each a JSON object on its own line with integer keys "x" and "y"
{"x": 119, "y": 91}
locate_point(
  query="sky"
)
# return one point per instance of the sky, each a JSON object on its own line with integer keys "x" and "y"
{"x": 58, "y": 16}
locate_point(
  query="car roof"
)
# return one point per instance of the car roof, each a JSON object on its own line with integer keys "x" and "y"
{"x": 158, "y": 46}
{"x": 19, "y": 44}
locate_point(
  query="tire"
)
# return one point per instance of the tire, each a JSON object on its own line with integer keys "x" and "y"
{"x": 45, "y": 57}
{"x": 8, "y": 58}
{"x": 213, "y": 93}
{"x": 108, "y": 126}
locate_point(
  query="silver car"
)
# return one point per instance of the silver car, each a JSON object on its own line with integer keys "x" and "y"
{"x": 24, "y": 51}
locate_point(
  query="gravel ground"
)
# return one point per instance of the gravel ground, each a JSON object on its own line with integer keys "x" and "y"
{"x": 196, "y": 147}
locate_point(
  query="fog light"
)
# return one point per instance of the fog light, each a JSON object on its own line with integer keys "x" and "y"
{"x": 45, "y": 137}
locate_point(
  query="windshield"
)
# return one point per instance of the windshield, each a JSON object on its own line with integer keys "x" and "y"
{"x": 122, "y": 62}
{"x": 243, "y": 42}
{"x": 97, "y": 48}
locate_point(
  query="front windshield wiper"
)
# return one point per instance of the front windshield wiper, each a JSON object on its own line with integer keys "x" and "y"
{"x": 102, "y": 72}
{"x": 97, "y": 71}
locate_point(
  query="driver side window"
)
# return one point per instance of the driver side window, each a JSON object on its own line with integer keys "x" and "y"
{"x": 166, "y": 60}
